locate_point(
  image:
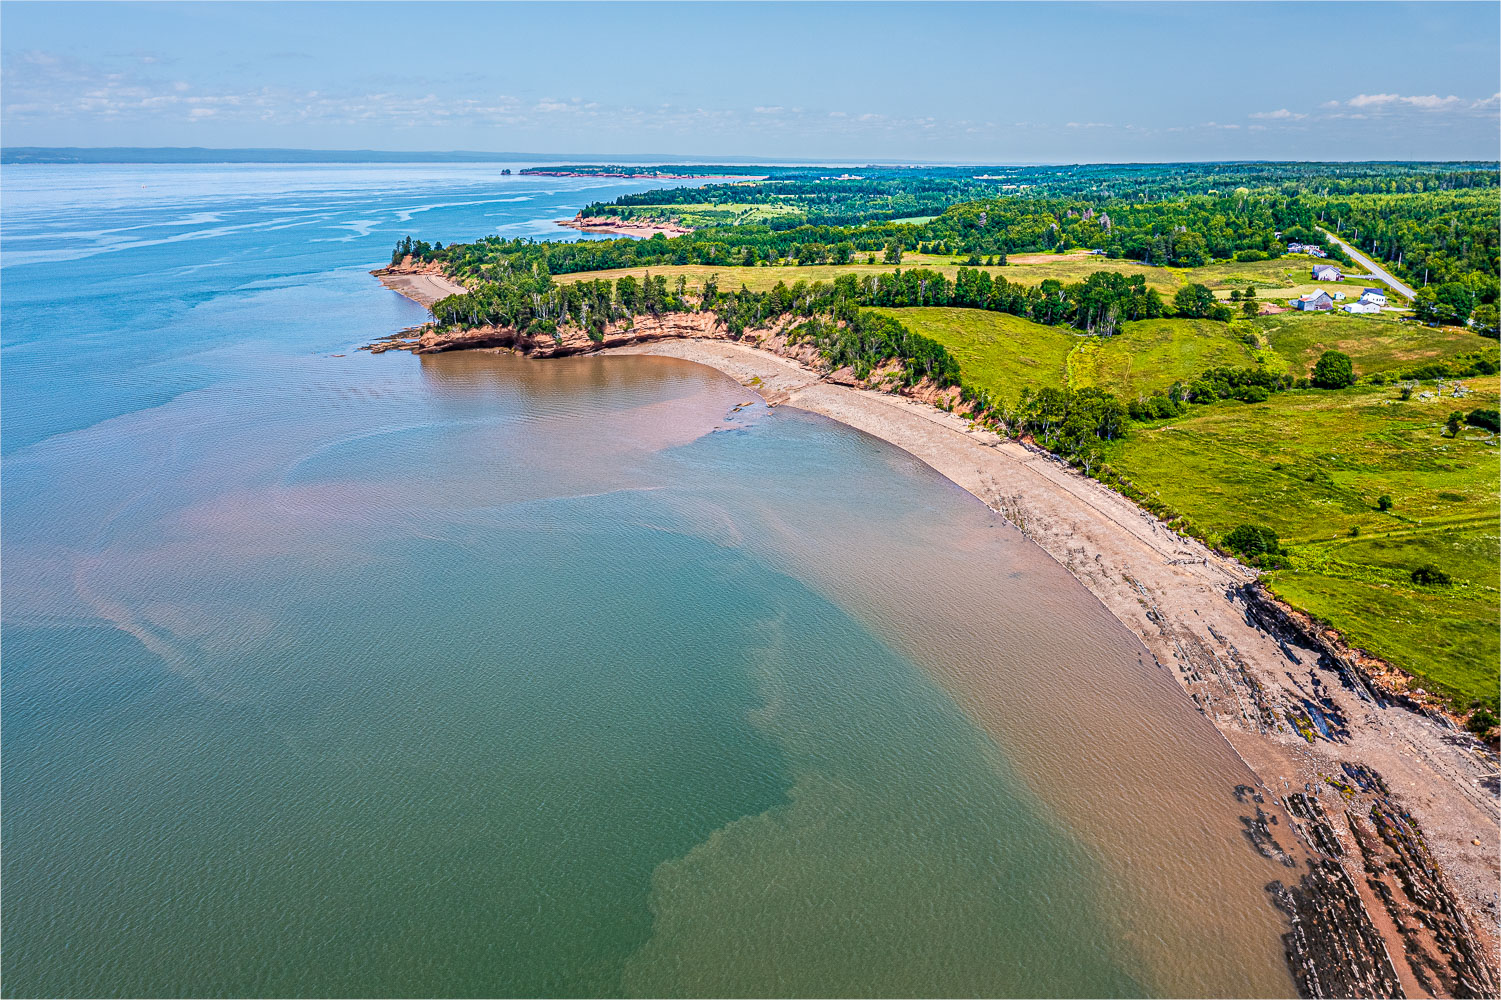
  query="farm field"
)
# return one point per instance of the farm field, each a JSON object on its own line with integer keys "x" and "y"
{"x": 1311, "y": 466}
{"x": 1374, "y": 343}
{"x": 1005, "y": 353}
{"x": 703, "y": 214}
{"x": 996, "y": 352}
{"x": 1151, "y": 354}
{"x": 1273, "y": 279}
{"x": 760, "y": 279}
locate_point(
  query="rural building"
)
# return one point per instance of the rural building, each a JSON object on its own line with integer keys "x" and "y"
{"x": 1327, "y": 272}
{"x": 1362, "y": 307}
{"x": 1313, "y": 301}
{"x": 1309, "y": 248}
{"x": 1373, "y": 295}
{"x": 1337, "y": 296}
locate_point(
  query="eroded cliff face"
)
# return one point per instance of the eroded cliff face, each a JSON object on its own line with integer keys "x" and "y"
{"x": 570, "y": 340}
{"x": 888, "y": 377}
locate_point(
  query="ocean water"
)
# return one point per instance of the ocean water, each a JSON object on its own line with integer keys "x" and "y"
{"x": 332, "y": 674}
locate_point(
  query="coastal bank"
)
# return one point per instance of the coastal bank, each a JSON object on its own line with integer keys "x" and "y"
{"x": 1389, "y": 808}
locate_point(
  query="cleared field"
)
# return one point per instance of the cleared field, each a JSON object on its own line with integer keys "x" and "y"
{"x": 700, "y": 214}
{"x": 1374, "y": 343}
{"x": 1281, "y": 272}
{"x": 760, "y": 279}
{"x": 995, "y": 351}
{"x": 1446, "y": 635}
{"x": 1311, "y": 465}
{"x": 1152, "y": 354}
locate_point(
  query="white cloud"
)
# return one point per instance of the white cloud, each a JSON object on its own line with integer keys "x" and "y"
{"x": 1371, "y": 100}
{"x": 1423, "y": 102}
{"x": 1281, "y": 114}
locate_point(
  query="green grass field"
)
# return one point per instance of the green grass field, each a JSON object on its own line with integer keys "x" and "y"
{"x": 697, "y": 215}
{"x": 1274, "y": 280}
{"x": 1152, "y": 354}
{"x": 1375, "y": 343}
{"x": 995, "y": 351}
{"x": 1311, "y": 465}
{"x": 760, "y": 279}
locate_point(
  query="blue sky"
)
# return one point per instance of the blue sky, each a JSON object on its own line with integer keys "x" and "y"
{"x": 973, "y": 82}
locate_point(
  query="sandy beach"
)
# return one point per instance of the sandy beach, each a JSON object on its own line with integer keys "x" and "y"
{"x": 421, "y": 286}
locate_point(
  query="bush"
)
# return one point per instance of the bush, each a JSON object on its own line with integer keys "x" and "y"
{"x": 1384, "y": 502}
{"x": 1334, "y": 370}
{"x": 1487, "y": 419}
{"x": 1251, "y": 255}
{"x": 1481, "y": 721}
{"x": 1252, "y": 540}
{"x": 1254, "y": 394}
{"x": 1429, "y": 575}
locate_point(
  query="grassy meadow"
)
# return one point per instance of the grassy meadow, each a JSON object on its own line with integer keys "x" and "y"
{"x": 1312, "y": 465}
{"x": 1273, "y": 279}
{"x": 1375, "y": 343}
{"x": 995, "y": 351}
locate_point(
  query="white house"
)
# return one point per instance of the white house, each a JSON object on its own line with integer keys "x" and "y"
{"x": 1373, "y": 295}
{"x": 1327, "y": 272}
{"x": 1362, "y": 307}
{"x": 1337, "y": 296}
{"x": 1313, "y": 301}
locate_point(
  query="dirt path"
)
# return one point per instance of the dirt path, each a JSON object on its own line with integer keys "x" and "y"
{"x": 1294, "y": 716}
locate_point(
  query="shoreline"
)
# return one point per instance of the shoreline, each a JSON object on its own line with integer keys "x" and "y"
{"x": 605, "y": 226}
{"x": 423, "y": 284}
{"x": 1291, "y": 706}
{"x": 1204, "y": 619}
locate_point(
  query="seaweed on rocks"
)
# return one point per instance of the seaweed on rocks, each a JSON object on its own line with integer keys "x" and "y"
{"x": 1333, "y": 948}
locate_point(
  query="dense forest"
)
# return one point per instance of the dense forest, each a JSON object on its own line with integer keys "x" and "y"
{"x": 847, "y": 196}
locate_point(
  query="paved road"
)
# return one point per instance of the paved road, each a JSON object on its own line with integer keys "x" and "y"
{"x": 1371, "y": 265}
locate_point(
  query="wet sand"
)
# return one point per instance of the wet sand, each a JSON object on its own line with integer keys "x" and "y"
{"x": 1187, "y": 605}
{"x": 422, "y": 287}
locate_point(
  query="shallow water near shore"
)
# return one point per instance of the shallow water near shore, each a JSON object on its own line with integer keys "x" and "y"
{"x": 471, "y": 675}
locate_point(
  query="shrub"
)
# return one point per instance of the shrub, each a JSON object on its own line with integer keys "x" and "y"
{"x": 1334, "y": 370}
{"x": 1452, "y": 424}
{"x": 1487, "y": 419}
{"x": 1406, "y": 392}
{"x": 1254, "y": 394}
{"x": 1252, "y": 540}
{"x": 1384, "y": 502}
{"x": 1429, "y": 575}
{"x": 1481, "y": 721}
{"x": 1251, "y": 255}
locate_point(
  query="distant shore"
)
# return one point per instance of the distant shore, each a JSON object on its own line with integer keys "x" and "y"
{"x": 618, "y": 227}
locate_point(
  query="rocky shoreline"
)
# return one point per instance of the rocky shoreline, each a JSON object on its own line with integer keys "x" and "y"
{"x": 641, "y": 229}
{"x": 1392, "y": 885}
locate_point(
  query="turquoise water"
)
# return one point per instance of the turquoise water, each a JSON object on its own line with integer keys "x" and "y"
{"x": 466, "y": 675}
